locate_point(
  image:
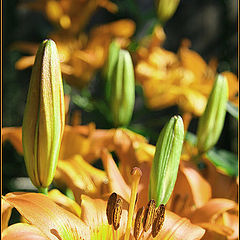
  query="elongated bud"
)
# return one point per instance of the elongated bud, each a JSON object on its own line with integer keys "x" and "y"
{"x": 113, "y": 53}
{"x": 44, "y": 116}
{"x": 166, "y": 9}
{"x": 211, "y": 122}
{"x": 122, "y": 95}
{"x": 166, "y": 161}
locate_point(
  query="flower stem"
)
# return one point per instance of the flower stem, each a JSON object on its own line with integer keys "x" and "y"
{"x": 43, "y": 190}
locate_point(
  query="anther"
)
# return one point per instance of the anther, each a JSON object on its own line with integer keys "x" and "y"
{"x": 149, "y": 215}
{"x": 158, "y": 221}
{"x": 138, "y": 222}
{"x": 117, "y": 213}
{"x": 110, "y": 207}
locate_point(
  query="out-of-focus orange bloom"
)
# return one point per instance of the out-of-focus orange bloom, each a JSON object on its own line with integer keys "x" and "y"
{"x": 70, "y": 15}
{"x": 82, "y": 55}
{"x": 182, "y": 79}
{"x": 219, "y": 217}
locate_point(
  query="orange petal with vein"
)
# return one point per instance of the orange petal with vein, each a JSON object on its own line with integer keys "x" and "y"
{"x": 52, "y": 220}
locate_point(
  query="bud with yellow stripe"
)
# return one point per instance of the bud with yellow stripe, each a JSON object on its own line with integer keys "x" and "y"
{"x": 44, "y": 117}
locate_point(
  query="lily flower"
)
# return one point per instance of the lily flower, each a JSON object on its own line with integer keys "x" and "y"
{"x": 182, "y": 79}
{"x": 81, "y": 55}
{"x": 48, "y": 220}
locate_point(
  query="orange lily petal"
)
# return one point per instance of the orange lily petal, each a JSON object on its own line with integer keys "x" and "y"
{"x": 191, "y": 190}
{"x": 65, "y": 202}
{"x": 217, "y": 180}
{"x": 25, "y": 62}
{"x": 14, "y": 135}
{"x": 47, "y": 216}
{"x": 23, "y": 231}
{"x": 212, "y": 208}
{"x": 6, "y": 210}
{"x": 215, "y": 231}
{"x": 177, "y": 228}
{"x": 80, "y": 176}
{"x": 116, "y": 181}
{"x": 94, "y": 215}
{"x": 232, "y": 84}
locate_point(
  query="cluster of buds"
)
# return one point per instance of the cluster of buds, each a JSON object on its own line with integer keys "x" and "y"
{"x": 44, "y": 117}
{"x": 166, "y": 161}
{"x": 211, "y": 122}
{"x": 120, "y": 86}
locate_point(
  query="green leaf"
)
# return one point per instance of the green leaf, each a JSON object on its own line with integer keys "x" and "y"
{"x": 225, "y": 161}
{"x": 232, "y": 109}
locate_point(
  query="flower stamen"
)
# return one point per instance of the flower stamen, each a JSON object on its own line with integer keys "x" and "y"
{"x": 158, "y": 221}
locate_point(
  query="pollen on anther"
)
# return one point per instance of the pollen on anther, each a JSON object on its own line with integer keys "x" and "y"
{"x": 117, "y": 213}
{"x": 158, "y": 221}
{"x": 110, "y": 207}
{"x": 138, "y": 222}
{"x": 149, "y": 215}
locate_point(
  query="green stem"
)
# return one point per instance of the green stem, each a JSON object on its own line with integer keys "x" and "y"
{"x": 43, "y": 190}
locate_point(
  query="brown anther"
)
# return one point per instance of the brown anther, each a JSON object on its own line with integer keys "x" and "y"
{"x": 110, "y": 207}
{"x": 117, "y": 213}
{"x": 158, "y": 221}
{"x": 138, "y": 222}
{"x": 149, "y": 215}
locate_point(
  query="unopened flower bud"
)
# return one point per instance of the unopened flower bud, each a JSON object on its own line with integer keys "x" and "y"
{"x": 166, "y": 9}
{"x": 43, "y": 121}
{"x": 166, "y": 161}
{"x": 211, "y": 122}
{"x": 122, "y": 96}
{"x": 113, "y": 53}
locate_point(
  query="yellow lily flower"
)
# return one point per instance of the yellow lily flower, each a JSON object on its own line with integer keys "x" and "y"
{"x": 182, "y": 79}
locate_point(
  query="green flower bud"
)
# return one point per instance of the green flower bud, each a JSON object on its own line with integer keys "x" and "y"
{"x": 43, "y": 121}
{"x": 211, "y": 122}
{"x": 166, "y": 9}
{"x": 122, "y": 97}
{"x": 166, "y": 161}
{"x": 113, "y": 53}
